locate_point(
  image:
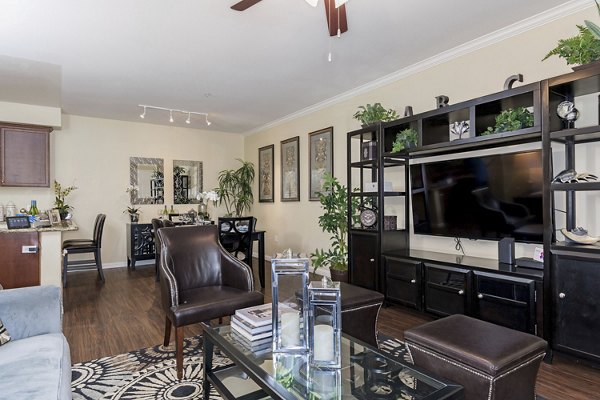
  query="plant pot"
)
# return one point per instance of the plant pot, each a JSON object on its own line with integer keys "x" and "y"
{"x": 134, "y": 217}
{"x": 63, "y": 215}
{"x": 338, "y": 275}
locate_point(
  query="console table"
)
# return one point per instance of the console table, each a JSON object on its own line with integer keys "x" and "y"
{"x": 140, "y": 243}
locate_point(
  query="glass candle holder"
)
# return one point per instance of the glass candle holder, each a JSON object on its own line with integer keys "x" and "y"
{"x": 289, "y": 279}
{"x": 324, "y": 324}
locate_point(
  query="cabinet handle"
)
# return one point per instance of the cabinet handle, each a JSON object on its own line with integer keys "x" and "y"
{"x": 562, "y": 295}
{"x": 372, "y": 259}
{"x": 413, "y": 281}
{"x": 461, "y": 292}
{"x": 480, "y": 296}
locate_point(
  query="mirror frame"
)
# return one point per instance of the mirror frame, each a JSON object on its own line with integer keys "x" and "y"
{"x": 198, "y": 181}
{"x": 134, "y": 162}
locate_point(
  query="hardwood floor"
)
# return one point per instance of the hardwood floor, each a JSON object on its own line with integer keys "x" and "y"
{"x": 125, "y": 314}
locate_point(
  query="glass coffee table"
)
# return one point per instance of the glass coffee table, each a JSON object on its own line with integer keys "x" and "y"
{"x": 366, "y": 373}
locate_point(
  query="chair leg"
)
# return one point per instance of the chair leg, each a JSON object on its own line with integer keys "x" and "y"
{"x": 65, "y": 263}
{"x": 98, "y": 258}
{"x": 179, "y": 351}
{"x": 167, "y": 332}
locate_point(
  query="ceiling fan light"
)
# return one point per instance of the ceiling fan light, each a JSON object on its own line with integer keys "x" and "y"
{"x": 313, "y": 2}
{"x": 339, "y": 3}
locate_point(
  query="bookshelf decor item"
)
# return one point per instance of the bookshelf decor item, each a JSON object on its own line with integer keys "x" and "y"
{"x": 324, "y": 324}
{"x": 289, "y": 280}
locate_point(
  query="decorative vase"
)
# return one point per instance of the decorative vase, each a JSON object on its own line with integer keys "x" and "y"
{"x": 339, "y": 275}
{"x": 134, "y": 217}
{"x": 63, "y": 215}
{"x": 202, "y": 209}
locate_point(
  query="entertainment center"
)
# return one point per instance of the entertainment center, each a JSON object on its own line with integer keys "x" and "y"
{"x": 484, "y": 186}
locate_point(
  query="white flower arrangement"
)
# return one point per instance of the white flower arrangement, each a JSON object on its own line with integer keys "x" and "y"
{"x": 208, "y": 196}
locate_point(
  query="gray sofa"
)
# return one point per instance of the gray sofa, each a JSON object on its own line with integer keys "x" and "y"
{"x": 36, "y": 363}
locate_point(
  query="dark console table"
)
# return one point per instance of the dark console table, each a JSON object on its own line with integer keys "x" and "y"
{"x": 140, "y": 243}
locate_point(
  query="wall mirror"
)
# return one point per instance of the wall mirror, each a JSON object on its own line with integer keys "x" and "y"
{"x": 147, "y": 174}
{"x": 187, "y": 181}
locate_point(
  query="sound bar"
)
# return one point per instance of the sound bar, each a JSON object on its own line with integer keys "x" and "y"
{"x": 527, "y": 262}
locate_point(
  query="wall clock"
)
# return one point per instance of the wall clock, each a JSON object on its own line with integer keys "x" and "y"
{"x": 368, "y": 218}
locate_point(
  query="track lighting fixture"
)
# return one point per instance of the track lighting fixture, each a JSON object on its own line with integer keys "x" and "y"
{"x": 337, "y": 2}
{"x": 174, "y": 110}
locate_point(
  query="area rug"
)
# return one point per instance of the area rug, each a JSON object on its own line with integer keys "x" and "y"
{"x": 150, "y": 373}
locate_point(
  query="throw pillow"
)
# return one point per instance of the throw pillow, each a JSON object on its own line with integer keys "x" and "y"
{"x": 4, "y": 336}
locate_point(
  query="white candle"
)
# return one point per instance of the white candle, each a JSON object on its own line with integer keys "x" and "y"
{"x": 323, "y": 341}
{"x": 290, "y": 329}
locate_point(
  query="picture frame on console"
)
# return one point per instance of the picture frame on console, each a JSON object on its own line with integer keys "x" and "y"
{"x": 290, "y": 169}
{"x": 266, "y": 170}
{"x": 320, "y": 151}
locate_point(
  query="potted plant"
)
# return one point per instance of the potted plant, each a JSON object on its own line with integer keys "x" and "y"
{"x": 581, "y": 49}
{"x": 511, "y": 120}
{"x": 405, "y": 139}
{"x": 334, "y": 201}
{"x": 59, "y": 199}
{"x": 134, "y": 213}
{"x": 370, "y": 114}
{"x": 235, "y": 188}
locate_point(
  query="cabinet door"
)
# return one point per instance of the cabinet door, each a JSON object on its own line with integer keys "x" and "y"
{"x": 576, "y": 300}
{"x": 403, "y": 281}
{"x": 364, "y": 260}
{"x": 446, "y": 289}
{"x": 506, "y": 301}
{"x": 24, "y": 156}
{"x": 18, "y": 269}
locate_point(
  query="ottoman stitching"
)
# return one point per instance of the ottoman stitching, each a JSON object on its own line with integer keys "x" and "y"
{"x": 533, "y": 359}
{"x": 378, "y": 305}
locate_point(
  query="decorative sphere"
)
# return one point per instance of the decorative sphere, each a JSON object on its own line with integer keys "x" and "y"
{"x": 567, "y": 111}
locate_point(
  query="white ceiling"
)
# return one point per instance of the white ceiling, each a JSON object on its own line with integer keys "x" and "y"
{"x": 246, "y": 69}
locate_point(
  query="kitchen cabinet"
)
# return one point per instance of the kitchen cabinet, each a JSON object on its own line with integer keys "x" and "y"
{"x": 24, "y": 156}
{"x": 18, "y": 269}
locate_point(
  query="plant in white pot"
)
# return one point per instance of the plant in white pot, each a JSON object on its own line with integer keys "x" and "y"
{"x": 334, "y": 201}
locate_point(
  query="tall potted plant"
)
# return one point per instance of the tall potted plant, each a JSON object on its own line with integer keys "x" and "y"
{"x": 235, "y": 188}
{"x": 334, "y": 201}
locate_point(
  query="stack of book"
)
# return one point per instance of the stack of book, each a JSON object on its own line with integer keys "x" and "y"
{"x": 252, "y": 327}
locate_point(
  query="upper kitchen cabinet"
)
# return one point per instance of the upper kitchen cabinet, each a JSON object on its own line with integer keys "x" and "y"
{"x": 24, "y": 156}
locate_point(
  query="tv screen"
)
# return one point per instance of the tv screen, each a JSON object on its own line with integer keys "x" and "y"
{"x": 486, "y": 197}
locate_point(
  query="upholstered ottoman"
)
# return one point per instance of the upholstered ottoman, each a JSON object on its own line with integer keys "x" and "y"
{"x": 491, "y": 362}
{"x": 360, "y": 309}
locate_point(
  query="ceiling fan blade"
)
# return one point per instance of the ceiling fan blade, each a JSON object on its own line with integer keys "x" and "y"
{"x": 242, "y": 5}
{"x": 333, "y": 22}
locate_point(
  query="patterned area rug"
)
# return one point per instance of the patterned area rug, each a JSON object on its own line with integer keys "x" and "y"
{"x": 150, "y": 373}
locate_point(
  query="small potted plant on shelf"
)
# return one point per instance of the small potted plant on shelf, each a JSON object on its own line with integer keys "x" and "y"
{"x": 134, "y": 213}
{"x": 582, "y": 49}
{"x": 405, "y": 139}
{"x": 334, "y": 202}
{"x": 235, "y": 188}
{"x": 511, "y": 120}
{"x": 371, "y": 113}
{"x": 60, "y": 195}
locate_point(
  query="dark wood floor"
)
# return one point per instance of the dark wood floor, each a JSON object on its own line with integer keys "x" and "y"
{"x": 124, "y": 315}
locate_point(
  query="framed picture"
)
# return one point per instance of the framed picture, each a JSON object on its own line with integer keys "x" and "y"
{"x": 266, "y": 170}
{"x": 320, "y": 151}
{"x": 290, "y": 169}
{"x": 54, "y": 216}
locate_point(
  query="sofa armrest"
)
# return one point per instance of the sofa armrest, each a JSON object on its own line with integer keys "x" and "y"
{"x": 31, "y": 311}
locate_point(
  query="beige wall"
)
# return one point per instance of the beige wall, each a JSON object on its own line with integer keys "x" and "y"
{"x": 93, "y": 154}
{"x": 469, "y": 76}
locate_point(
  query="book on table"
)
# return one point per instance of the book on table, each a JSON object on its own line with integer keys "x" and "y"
{"x": 251, "y": 337}
{"x": 248, "y": 327}
{"x": 256, "y": 316}
{"x": 256, "y": 345}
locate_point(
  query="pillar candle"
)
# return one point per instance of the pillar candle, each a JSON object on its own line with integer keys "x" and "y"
{"x": 323, "y": 343}
{"x": 290, "y": 329}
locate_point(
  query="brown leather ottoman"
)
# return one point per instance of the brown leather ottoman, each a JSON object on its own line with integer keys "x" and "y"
{"x": 490, "y": 361}
{"x": 360, "y": 309}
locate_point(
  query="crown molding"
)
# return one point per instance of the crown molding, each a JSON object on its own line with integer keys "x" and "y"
{"x": 489, "y": 39}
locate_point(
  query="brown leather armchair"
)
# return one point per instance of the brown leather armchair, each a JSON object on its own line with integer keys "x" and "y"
{"x": 200, "y": 281}
{"x": 156, "y": 225}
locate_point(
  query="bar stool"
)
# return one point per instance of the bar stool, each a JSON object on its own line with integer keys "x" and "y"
{"x": 82, "y": 246}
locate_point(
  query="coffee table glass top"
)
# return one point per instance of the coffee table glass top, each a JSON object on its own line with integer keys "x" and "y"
{"x": 366, "y": 372}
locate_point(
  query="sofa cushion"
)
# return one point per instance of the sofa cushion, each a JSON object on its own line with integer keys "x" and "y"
{"x": 35, "y": 368}
{"x": 4, "y": 336}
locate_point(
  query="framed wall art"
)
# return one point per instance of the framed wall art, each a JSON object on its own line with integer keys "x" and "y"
{"x": 290, "y": 169}
{"x": 266, "y": 171}
{"x": 320, "y": 159}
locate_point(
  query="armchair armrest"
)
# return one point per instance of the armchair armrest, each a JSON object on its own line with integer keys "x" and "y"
{"x": 235, "y": 273}
{"x": 31, "y": 311}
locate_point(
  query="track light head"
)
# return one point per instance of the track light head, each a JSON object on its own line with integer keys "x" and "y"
{"x": 171, "y": 116}
{"x": 143, "y": 115}
{"x": 207, "y": 121}
{"x": 189, "y": 120}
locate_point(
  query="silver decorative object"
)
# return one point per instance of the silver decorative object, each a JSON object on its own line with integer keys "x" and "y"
{"x": 459, "y": 128}
{"x": 567, "y": 112}
{"x": 289, "y": 279}
{"x": 324, "y": 324}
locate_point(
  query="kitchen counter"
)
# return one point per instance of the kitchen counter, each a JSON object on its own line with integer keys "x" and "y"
{"x": 63, "y": 227}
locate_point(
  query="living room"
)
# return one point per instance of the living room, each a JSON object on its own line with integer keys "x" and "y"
{"x": 92, "y": 152}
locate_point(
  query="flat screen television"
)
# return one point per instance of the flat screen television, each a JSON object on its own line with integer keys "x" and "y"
{"x": 486, "y": 197}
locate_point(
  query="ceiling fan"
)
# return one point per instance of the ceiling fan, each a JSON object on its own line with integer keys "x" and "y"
{"x": 335, "y": 11}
